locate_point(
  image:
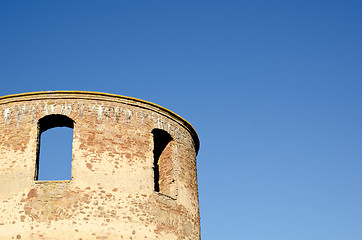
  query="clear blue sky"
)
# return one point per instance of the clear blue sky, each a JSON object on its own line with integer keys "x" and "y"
{"x": 273, "y": 88}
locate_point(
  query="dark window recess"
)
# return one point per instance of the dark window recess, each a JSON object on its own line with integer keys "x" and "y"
{"x": 54, "y": 153}
{"x": 161, "y": 139}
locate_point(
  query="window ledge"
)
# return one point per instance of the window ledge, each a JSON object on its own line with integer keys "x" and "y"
{"x": 165, "y": 195}
{"x": 51, "y": 181}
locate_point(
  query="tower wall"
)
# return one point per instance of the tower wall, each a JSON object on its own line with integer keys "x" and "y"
{"x": 111, "y": 194}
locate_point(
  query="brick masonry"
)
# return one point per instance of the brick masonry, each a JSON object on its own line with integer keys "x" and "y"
{"x": 111, "y": 194}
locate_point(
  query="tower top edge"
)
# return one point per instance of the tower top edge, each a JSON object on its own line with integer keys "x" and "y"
{"x": 90, "y": 95}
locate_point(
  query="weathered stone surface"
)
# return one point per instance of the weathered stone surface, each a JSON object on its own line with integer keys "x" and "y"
{"x": 111, "y": 194}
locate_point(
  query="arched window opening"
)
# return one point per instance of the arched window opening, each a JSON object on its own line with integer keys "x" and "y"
{"x": 162, "y": 165}
{"x": 54, "y": 153}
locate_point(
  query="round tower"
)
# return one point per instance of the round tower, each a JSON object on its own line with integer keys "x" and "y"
{"x": 133, "y": 169}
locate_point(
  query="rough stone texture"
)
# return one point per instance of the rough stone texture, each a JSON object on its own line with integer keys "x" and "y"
{"x": 111, "y": 194}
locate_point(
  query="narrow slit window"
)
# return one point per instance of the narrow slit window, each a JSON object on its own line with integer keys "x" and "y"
{"x": 162, "y": 165}
{"x": 54, "y": 154}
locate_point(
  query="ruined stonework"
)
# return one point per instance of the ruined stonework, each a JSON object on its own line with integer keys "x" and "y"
{"x": 113, "y": 193}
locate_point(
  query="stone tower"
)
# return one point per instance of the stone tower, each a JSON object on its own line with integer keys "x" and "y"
{"x": 133, "y": 173}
